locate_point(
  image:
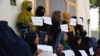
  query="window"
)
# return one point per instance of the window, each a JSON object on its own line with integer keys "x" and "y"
{"x": 71, "y": 7}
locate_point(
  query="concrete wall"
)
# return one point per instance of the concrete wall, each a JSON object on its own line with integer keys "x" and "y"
{"x": 9, "y": 12}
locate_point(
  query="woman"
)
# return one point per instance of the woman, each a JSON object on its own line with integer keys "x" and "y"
{"x": 40, "y": 12}
{"x": 24, "y": 21}
{"x": 75, "y": 44}
{"x": 44, "y": 38}
{"x": 64, "y": 41}
{"x": 58, "y": 49}
{"x": 33, "y": 40}
{"x": 66, "y": 17}
{"x": 56, "y": 21}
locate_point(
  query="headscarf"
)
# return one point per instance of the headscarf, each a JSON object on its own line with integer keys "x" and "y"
{"x": 56, "y": 15}
{"x": 39, "y": 11}
{"x": 25, "y": 16}
{"x": 66, "y": 17}
{"x": 30, "y": 38}
{"x": 10, "y": 43}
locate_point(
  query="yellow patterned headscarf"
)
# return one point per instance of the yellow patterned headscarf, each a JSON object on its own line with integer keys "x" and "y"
{"x": 66, "y": 17}
{"x": 25, "y": 16}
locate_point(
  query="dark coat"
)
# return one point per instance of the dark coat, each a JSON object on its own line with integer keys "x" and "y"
{"x": 10, "y": 43}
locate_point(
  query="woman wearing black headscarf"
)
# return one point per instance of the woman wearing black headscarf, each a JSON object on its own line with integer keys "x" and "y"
{"x": 40, "y": 11}
{"x": 32, "y": 39}
{"x": 44, "y": 38}
{"x": 75, "y": 45}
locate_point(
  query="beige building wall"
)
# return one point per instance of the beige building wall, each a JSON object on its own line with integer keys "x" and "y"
{"x": 83, "y": 10}
{"x": 9, "y": 12}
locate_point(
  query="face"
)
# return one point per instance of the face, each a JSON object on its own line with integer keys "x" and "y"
{"x": 30, "y": 5}
{"x": 58, "y": 16}
{"x": 46, "y": 39}
{"x": 79, "y": 41}
{"x": 43, "y": 10}
{"x": 59, "y": 48}
{"x": 65, "y": 37}
{"x": 36, "y": 39}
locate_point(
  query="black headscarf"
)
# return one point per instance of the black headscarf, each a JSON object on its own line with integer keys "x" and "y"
{"x": 75, "y": 46}
{"x": 39, "y": 11}
{"x": 10, "y": 43}
{"x": 30, "y": 38}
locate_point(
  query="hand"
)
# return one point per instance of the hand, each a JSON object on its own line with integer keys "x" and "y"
{"x": 39, "y": 51}
{"x": 30, "y": 24}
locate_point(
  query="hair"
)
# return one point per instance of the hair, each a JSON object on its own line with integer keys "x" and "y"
{"x": 30, "y": 37}
{"x": 61, "y": 54}
{"x": 74, "y": 17}
{"x": 55, "y": 13}
{"x": 77, "y": 37}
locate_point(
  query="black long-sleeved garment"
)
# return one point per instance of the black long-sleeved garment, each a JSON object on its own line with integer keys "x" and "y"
{"x": 10, "y": 43}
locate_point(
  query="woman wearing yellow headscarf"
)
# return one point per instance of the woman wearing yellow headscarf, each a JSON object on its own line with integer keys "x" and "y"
{"x": 26, "y": 14}
{"x": 66, "y": 17}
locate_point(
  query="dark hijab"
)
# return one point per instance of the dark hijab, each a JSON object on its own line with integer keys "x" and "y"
{"x": 40, "y": 11}
{"x": 30, "y": 38}
{"x": 75, "y": 46}
{"x": 10, "y": 43}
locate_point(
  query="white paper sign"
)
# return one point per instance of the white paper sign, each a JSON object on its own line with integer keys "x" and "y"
{"x": 38, "y": 21}
{"x": 54, "y": 54}
{"x": 47, "y": 20}
{"x": 73, "y": 22}
{"x": 91, "y": 51}
{"x": 68, "y": 53}
{"x": 45, "y": 53}
{"x": 45, "y": 48}
{"x": 79, "y": 21}
{"x": 83, "y": 53}
{"x": 64, "y": 27}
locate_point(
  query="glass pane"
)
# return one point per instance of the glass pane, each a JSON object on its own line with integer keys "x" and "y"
{"x": 57, "y": 5}
{"x": 40, "y": 3}
{"x": 72, "y": 10}
{"x": 72, "y": 0}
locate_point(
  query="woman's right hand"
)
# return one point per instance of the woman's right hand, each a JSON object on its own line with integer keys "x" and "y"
{"x": 30, "y": 24}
